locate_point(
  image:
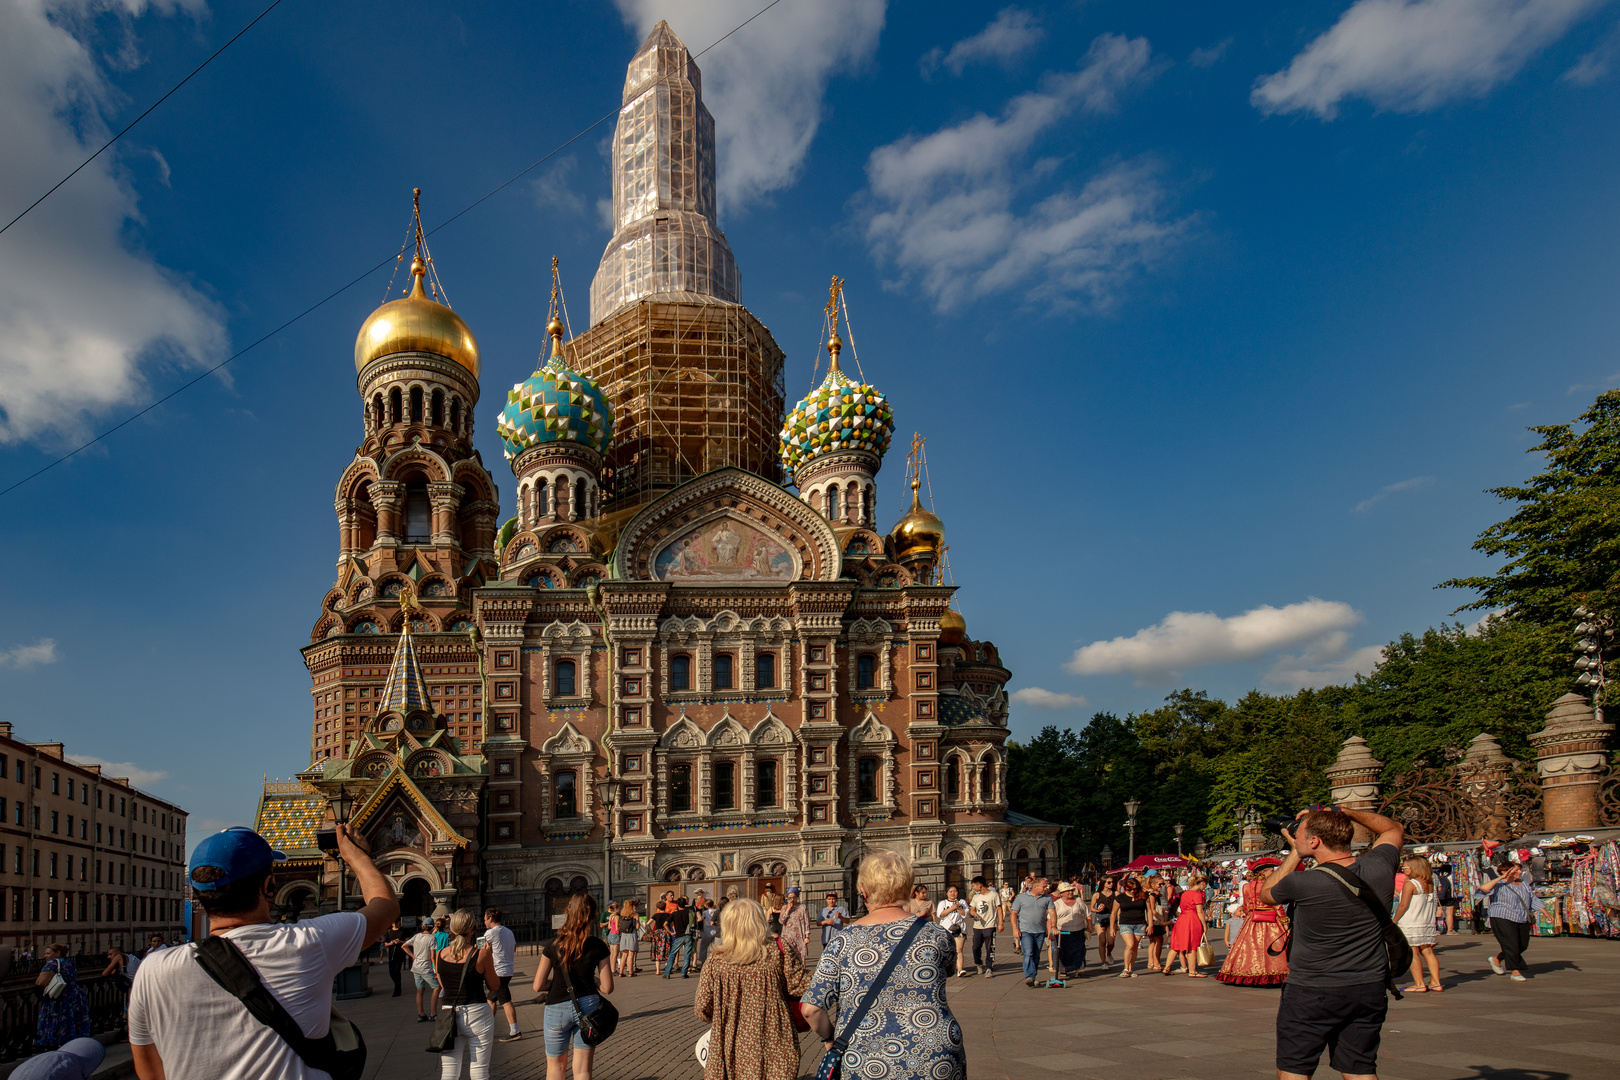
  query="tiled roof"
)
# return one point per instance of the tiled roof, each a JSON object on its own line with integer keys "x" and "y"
{"x": 289, "y": 815}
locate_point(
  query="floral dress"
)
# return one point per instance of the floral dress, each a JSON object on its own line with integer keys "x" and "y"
{"x": 909, "y": 1031}
{"x": 66, "y": 1018}
{"x": 752, "y": 1037}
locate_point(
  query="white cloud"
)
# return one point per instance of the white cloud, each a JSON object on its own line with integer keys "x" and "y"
{"x": 1409, "y": 484}
{"x": 765, "y": 84}
{"x": 1413, "y": 55}
{"x": 1477, "y": 628}
{"x": 138, "y": 776}
{"x": 554, "y": 190}
{"x": 1593, "y": 67}
{"x": 942, "y": 207}
{"x": 84, "y": 315}
{"x": 1037, "y": 698}
{"x": 1325, "y": 661}
{"x": 42, "y": 651}
{"x": 1210, "y": 56}
{"x": 1012, "y": 33}
{"x": 1187, "y": 639}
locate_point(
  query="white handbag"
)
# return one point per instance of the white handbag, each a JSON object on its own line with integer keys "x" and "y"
{"x": 54, "y": 988}
{"x": 702, "y": 1048}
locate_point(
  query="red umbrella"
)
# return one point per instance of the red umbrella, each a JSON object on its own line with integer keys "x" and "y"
{"x": 1153, "y": 862}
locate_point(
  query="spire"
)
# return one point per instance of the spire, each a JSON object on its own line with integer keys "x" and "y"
{"x": 835, "y": 344}
{"x": 405, "y": 691}
{"x": 554, "y": 326}
{"x": 667, "y": 238}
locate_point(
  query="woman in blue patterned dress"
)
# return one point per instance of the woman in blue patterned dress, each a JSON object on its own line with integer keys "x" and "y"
{"x": 909, "y": 1031}
{"x": 68, "y": 1015}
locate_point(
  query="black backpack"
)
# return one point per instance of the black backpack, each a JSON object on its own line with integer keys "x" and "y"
{"x": 1397, "y": 950}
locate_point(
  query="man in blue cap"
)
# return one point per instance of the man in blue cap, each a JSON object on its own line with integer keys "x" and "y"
{"x": 185, "y": 1026}
{"x": 76, "y": 1059}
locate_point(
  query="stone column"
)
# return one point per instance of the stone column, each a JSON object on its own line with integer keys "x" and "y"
{"x": 388, "y": 496}
{"x": 1570, "y": 755}
{"x": 446, "y": 497}
{"x": 1354, "y": 779}
{"x": 1483, "y": 773}
{"x": 444, "y": 902}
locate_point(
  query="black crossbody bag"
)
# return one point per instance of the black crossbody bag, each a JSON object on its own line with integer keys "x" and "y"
{"x": 341, "y": 1051}
{"x": 1397, "y": 950}
{"x": 594, "y": 1026}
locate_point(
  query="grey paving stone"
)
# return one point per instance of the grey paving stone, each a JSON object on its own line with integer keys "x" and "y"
{"x": 1538, "y": 1019}
{"x": 1479, "y": 1063}
{"x": 1066, "y": 1062}
{"x": 1190, "y": 1019}
{"x": 1085, "y": 1028}
{"x": 1422, "y": 1027}
{"x": 1190, "y": 1048}
{"x": 1606, "y": 1051}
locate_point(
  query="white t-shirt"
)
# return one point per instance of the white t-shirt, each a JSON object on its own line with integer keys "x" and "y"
{"x": 203, "y": 1033}
{"x": 986, "y": 908}
{"x": 422, "y": 948}
{"x": 951, "y": 914}
{"x": 502, "y": 948}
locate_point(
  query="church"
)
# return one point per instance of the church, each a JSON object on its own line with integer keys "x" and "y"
{"x": 689, "y": 657}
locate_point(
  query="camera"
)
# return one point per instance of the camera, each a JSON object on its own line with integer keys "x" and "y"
{"x": 1281, "y": 823}
{"x": 326, "y": 839}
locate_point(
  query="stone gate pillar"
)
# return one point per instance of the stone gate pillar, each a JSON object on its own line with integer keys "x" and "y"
{"x": 1354, "y": 777}
{"x": 1253, "y": 837}
{"x": 1570, "y": 754}
{"x": 1483, "y": 773}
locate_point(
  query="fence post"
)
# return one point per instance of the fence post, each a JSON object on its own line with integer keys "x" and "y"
{"x": 1354, "y": 777}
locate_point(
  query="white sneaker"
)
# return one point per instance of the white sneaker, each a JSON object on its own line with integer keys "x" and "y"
{"x": 1516, "y": 977}
{"x": 1496, "y": 966}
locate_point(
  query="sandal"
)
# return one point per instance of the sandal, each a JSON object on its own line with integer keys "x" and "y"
{"x": 1196, "y": 975}
{"x": 1125, "y": 975}
{"x": 1437, "y": 989}
{"x": 1414, "y": 989}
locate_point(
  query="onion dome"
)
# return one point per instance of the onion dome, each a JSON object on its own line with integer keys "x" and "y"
{"x": 840, "y": 414}
{"x": 952, "y": 627}
{"x": 416, "y": 323}
{"x": 555, "y": 405}
{"x": 919, "y": 531}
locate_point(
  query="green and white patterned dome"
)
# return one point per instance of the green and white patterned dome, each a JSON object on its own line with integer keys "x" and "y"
{"x": 840, "y": 414}
{"x": 553, "y": 405}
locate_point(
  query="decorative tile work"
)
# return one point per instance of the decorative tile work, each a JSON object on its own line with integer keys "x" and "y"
{"x": 405, "y": 689}
{"x": 555, "y": 405}
{"x": 840, "y": 414}
{"x": 289, "y": 821}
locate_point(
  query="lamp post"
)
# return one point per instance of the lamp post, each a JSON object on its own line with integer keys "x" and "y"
{"x": 1179, "y": 830}
{"x": 861, "y": 821}
{"x": 342, "y": 805}
{"x": 1131, "y": 808}
{"x": 607, "y": 790}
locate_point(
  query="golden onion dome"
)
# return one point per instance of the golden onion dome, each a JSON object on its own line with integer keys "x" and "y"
{"x": 919, "y": 530}
{"x": 952, "y": 627}
{"x": 416, "y": 323}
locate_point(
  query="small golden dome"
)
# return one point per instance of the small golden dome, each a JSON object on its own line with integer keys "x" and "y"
{"x": 416, "y": 323}
{"x": 919, "y": 530}
{"x": 952, "y": 627}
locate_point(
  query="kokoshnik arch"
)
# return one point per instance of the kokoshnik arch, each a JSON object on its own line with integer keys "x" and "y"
{"x": 777, "y": 684}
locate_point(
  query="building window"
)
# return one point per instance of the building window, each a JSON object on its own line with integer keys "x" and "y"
{"x": 55, "y": 821}
{"x": 680, "y": 672}
{"x": 765, "y": 671}
{"x": 680, "y": 789}
{"x": 765, "y": 784}
{"x": 865, "y": 671}
{"x": 722, "y": 672}
{"x": 567, "y": 796}
{"x": 866, "y": 780}
{"x": 565, "y": 678}
{"x": 725, "y": 786}
{"x": 953, "y": 778}
{"x": 418, "y": 509}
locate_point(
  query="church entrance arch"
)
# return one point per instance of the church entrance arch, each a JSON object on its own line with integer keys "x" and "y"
{"x": 416, "y": 899}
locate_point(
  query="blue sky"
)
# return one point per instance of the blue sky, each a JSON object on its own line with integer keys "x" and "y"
{"x": 1217, "y": 319}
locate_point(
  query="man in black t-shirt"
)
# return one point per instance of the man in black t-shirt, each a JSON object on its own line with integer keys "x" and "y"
{"x": 680, "y": 925}
{"x": 1337, "y": 965}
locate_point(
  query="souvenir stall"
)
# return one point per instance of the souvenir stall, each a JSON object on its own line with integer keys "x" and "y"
{"x": 1577, "y": 878}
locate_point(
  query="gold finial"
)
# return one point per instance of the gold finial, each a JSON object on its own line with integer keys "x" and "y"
{"x": 418, "y": 262}
{"x": 835, "y": 344}
{"x": 555, "y": 326}
{"x": 408, "y": 604}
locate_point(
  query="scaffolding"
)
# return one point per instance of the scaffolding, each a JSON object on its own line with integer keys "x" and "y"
{"x": 695, "y": 383}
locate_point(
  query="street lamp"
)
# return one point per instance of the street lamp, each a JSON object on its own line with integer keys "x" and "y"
{"x": 342, "y": 806}
{"x": 607, "y": 790}
{"x": 1131, "y": 808}
{"x": 1179, "y": 829}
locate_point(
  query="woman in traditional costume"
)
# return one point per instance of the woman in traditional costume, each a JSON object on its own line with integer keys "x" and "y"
{"x": 1258, "y": 958}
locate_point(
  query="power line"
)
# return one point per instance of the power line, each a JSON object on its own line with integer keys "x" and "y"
{"x": 273, "y": 5}
{"x": 335, "y": 293}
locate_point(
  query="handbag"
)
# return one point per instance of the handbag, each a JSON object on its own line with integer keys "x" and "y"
{"x": 1397, "y": 950}
{"x": 831, "y": 1067}
{"x": 1206, "y": 954}
{"x": 340, "y": 1052}
{"x": 54, "y": 988}
{"x": 594, "y": 1026}
{"x": 443, "y": 1037}
{"x": 794, "y": 1004}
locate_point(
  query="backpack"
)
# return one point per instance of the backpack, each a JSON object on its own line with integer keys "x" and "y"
{"x": 1397, "y": 950}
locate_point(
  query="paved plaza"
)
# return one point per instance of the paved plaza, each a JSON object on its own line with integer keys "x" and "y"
{"x": 1563, "y": 1023}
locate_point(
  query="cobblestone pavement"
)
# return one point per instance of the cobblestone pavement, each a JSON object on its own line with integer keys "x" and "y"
{"x": 1561, "y": 1025}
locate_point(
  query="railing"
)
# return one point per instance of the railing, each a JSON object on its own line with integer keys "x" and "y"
{"x": 19, "y": 1013}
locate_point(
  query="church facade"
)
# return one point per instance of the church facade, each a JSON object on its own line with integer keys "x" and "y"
{"x": 690, "y": 658}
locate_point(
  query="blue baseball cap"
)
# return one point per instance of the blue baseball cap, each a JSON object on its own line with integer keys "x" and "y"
{"x": 229, "y": 856}
{"x": 76, "y": 1060}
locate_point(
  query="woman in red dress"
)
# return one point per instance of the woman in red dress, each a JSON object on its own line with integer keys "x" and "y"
{"x": 1188, "y": 932}
{"x": 1251, "y": 960}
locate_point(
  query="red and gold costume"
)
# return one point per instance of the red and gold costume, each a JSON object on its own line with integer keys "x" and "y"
{"x": 1250, "y": 961}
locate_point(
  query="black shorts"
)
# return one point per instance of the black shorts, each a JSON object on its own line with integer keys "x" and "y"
{"x": 502, "y": 996}
{"x": 1347, "y": 1020}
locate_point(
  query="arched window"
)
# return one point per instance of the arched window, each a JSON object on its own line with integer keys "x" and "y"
{"x": 765, "y": 784}
{"x": 815, "y": 501}
{"x": 438, "y": 408}
{"x": 953, "y": 873}
{"x": 987, "y": 866}
{"x": 418, "y": 513}
{"x": 722, "y": 671}
{"x": 987, "y": 781}
{"x": 765, "y": 671}
{"x": 725, "y": 785}
{"x": 394, "y": 414}
{"x": 416, "y": 404}
{"x": 455, "y": 415}
{"x": 865, "y": 671}
{"x": 866, "y": 505}
{"x": 541, "y": 490}
{"x": 832, "y": 502}
{"x": 377, "y": 411}
{"x": 680, "y": 672}
{"x": 579, "y": 508}
{"x": 680, "y": 789}
{"x": 565, "y": 678}
{"x": 866, "y": 780}
{"x": 567, "y": 802}
{"x": 953, "y": 778}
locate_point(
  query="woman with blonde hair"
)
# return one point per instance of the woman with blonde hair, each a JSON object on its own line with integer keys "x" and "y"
{"x": 1415, "y": 917}
{"x": 744, "y": 991}
{"x": 460, "y": 968}
{"x": 576, "y": 959}
{"x": 893, "y": 1020}
{"x": 629, "y": 940}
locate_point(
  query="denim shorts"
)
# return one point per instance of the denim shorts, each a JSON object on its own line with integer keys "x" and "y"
{"x": 425, "y": 982}
{"x": 561, "y": 1022}
{"x": 613, "y": 939}
{"x": 1138, "y": 929}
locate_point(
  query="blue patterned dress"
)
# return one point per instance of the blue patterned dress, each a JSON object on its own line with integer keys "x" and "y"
{"x": 909, "y": 1032}
{"x": 66, "y": 1018}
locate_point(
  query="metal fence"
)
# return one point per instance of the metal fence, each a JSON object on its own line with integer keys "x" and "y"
{"x": 19, "y": 1013}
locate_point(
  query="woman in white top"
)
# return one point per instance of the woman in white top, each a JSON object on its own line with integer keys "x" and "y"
{"x": 951, "y": 914}
{"x": 1415, "y": 917}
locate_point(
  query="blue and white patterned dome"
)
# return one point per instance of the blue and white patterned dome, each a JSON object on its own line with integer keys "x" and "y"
{"x": 840, "y": 414}
{"x": 555, "y": 404}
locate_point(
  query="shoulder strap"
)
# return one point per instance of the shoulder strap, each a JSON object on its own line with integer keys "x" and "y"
{"x": 877, "y": 984}
{"x": 226, "y": 965}
{"x": 562, "y": 969}
{"x": 1360, "y": 890}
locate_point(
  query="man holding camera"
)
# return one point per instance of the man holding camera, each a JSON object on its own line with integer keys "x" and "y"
{"x": 1337, "y": 964}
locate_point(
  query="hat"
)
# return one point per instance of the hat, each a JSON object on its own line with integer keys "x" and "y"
{"x": 1067, "y": 886}
{"x": 76, "y": 1060}
{"x": 793, "y": 890}
{"x": 1151, "y": 873}
{"x": 1265, "y": 862}
{"x": 229, "y": 856}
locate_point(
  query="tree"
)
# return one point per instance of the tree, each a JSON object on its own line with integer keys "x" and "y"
{"x": 1563, "y": 543}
